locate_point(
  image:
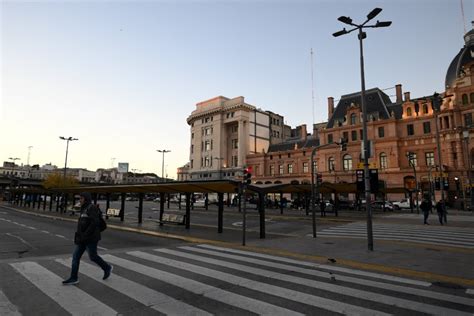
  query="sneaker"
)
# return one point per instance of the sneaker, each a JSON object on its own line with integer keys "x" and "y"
{"x": 108, "y": 272}
{"x": 70, "y": 281}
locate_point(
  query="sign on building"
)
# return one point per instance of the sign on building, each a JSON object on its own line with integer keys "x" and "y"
{"x": 123, "y": 167}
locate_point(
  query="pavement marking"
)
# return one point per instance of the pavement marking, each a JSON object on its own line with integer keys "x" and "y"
{"x": 31, "y": 227}
{"x": 322, "y": 274}
{"x": 347, "y": 262}
{"x": 60, "y": 236}
{"x": 21, "y": 239}
{"x": 327, "y": 267}
{"x": 203, "y": 289}
{"x": 6, "y": 307}
{"x": 71, "y": 298}
{"x": 300, "y": 297}
{"x": 102, "y": 248}
{"x": 338, "y": 289}
{"x": 148, "y": 297}
{"x": 470, "y": 291}
{"x": 4, "y": 213}
{"x": 45, "y": 231}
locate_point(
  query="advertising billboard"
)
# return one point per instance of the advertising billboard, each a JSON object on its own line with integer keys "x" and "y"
{"x": 123, "y": 167}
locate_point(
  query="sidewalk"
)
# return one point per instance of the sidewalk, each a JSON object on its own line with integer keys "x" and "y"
{"x": 421, "y": 261}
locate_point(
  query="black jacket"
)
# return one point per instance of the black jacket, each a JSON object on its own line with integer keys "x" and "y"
{"x": 88, "y": 225}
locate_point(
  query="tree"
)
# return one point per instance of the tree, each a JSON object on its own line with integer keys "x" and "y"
{"x": 56, "y": 180}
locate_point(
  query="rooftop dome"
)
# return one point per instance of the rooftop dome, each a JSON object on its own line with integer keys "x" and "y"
{"x": 464, "y": 57}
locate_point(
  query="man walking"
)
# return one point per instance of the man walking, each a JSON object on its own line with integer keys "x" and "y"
{"x": 441, "y": 209}
{"x": 87, "y": 237}
{"x": 426, "y": 206}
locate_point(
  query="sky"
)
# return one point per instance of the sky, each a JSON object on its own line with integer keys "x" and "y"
{"x": 123, "y": 76}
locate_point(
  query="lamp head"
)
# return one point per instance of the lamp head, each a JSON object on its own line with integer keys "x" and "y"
{"x": 342, "y": 32}
{"x": 345, "y": 19}
{"x": 373, "y": 13}
{"x": 383, "y": 23}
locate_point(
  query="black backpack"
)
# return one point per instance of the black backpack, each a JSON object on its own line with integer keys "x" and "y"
{"x": 102, "y": 222}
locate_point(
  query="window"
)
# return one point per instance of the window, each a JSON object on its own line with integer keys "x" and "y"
{"x": 353, "y": 119}
{"x": 465, "y": 100}
{"x": 381, "y": 132}
{"x": 426, "y": 127}
{"x": 409, "y": 113}
{"x": 271, "y": 157}
{"x": 235, "y": 128}
{"x": 192, "y": 149}
{"x": 207, "y": 145}
{"x": 330, "y": 141}
{"x": 257, "y": 170}
{"x": 290, "y": 168}
{"x": 235, "y": 143}
{"x": 429, "y": 158}
{"x": 305, "y": 167}
{"x": 315, "y": 166}
{"x": 207, "y": 162}
{"x": 347, "y": 162}
{"x": 361, "y": 134}
{"x": 192, "y": 163}
{"x": 331, "y": 164}
{"x": 280, "y": 169}
{"x": 425, "y": 108}
{"x": 412, "y": 160}
{"x": 472, "y": 97}
{"x": 354, "y": 135}
{"x": 207, "y": 119}
{"x": 192, "y": 135}
{"x": 345, "y": 135}
{"x": 289, "y": 155}
{"x": 272, "y": 170}
{"x": 235, "y": 161}
{"x": 208, "y": 131}
{"x": 383, "y": 161}
{"x": 468, "y": 119}
{"x": 410, "y": 130}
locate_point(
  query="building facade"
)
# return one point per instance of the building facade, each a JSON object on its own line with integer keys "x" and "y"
{"x": 224, "y": 131}
{"x": 403, "y": 136}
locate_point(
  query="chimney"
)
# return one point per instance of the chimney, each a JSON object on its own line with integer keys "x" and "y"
{"x": 407, "y": 96}
{"x": 398, "y": 89}
{"x": 330, "y": 107}
{"x": 303, "y": 132}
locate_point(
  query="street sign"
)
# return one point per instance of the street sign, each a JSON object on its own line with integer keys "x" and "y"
{"x": 372, "y": 165}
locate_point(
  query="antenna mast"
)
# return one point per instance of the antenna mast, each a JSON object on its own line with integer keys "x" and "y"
{"x": 463, "y": 18}
{"x": 312, "y": 86}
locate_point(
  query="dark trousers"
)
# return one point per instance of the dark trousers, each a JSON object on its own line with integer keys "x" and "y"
{"x": 442, "y": 217}
{"x": 92, "y": 251}
{"x": 426, "y": 215}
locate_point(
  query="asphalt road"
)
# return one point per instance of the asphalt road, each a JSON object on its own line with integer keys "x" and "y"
{"x": 25, "y": 236}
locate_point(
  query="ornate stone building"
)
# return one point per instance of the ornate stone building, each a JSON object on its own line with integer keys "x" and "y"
{"x": 395, "y": 128}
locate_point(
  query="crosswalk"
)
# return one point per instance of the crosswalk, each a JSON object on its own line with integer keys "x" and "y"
{"x": 211, "y": 280}
{"x": 434, "y": 217}
{"x": 437, "y": 235}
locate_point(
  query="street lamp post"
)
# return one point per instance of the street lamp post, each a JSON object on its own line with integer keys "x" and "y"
{"x": 465, "y": 134}
{"x": 411, "y": 159}
{"x": 436, "y": 102}
{"x": 164, "y": 151}
{"x": 67, "y": 139}
{"x": 361, "y": 36}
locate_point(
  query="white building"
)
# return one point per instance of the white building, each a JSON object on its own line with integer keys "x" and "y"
{"x": 224, "y": 131}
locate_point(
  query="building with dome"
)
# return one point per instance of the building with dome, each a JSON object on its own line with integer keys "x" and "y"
{"x": 398, "y": 129}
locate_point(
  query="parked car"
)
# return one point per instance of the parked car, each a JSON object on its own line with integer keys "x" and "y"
{"x": 405, "y": 203}
{"x": 381, "y": 205}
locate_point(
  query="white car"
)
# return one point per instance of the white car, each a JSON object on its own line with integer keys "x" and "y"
{"x": 405, "y": 203}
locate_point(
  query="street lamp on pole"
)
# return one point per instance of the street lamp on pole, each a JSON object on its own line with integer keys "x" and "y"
{"x": 466, "y": 136}
{"x": 164, "y": 151}
{"x": 67, "y": 139}
{"x": 361, "y": 36}
{"x": 411, "y": 161}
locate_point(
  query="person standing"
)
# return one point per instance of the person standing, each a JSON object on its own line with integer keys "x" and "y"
{"x": 426, "y": 207}
{"x": 441, "y": 210}
{"x": 87, "y": 237}
{"x": 322, "y": 206}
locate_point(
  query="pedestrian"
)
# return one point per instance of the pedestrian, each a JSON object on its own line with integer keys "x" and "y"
{"x": 441, "y": 209}
{"x": 426, "y": 207}
{"x": 87, "y": 237}
{"x": 322, "y": 206}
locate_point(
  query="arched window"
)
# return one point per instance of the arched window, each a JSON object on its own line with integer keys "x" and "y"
{"x": 331, "y": 164}
{"x": 347, "y": 162}
{"x": 465, "y": 100}
{"x": 408, "y": 111}
{"x": 472, "y": 97}
{"x": 353, "y": 118}
{"x": 425, "y": 108}
{"x": 383, "y": 161}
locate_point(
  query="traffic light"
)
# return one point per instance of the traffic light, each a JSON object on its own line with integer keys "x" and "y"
{"x": 247, "y": 175}
{"x": 319, "y": 178}
{"x": 436, "y": 102}
{"x": 374, "y": 180}
{"x": 456, "y": 181}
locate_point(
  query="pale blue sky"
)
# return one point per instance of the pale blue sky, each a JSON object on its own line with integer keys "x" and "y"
{"x": 122, "y": 76}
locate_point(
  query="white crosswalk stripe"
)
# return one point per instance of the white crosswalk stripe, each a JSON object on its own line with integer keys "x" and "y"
{"x": 454, "y": 237}
{"x": 456, "y": 218}
{"x": 74, "y": 300}
{"x": 206, "y": 280}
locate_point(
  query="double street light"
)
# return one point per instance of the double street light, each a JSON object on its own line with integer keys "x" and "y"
{"x": 361, "y": 36}
{"x": 164, "y": 151}
{"x": 67, "y": 139}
